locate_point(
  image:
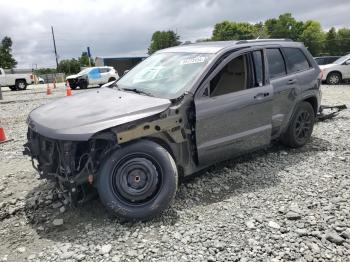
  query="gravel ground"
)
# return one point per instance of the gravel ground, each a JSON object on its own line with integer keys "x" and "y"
{"x": 277, "y": 204}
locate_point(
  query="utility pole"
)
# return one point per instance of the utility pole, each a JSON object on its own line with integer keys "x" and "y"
{"x": 54, "y": 45}
{"x": 89, "y": 55}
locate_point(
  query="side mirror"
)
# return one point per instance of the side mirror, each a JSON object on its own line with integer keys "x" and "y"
{"x": 347, "y": 62}
{"x": 125, "y": 72}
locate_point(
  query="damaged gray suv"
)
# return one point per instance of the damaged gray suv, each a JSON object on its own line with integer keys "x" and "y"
{"x": 177, "y": 112}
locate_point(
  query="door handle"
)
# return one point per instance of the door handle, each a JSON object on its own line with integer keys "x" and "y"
{"x": 261, "y": 95}
{"x": 291, "y": 81}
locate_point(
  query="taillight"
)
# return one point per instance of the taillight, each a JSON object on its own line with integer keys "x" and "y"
{"x": 31, "y": 77}
{"x": 321, "y": 74}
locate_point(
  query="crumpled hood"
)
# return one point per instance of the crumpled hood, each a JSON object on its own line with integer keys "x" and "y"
{"x": 71, "y": 77}
{"x": 80, "y": 116}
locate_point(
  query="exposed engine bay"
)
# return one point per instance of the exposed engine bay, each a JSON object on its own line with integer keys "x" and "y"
{"x": 73, "y": 165}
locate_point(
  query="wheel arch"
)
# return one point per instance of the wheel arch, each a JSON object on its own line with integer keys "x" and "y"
{"x": 335, "y": 71}
{"x": 173, "y": 149}
{"x": 21, "y": 79}
{"x": 313, "y": 101}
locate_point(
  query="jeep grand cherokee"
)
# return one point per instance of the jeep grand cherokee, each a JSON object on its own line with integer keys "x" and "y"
{"x": 177, "y": 112}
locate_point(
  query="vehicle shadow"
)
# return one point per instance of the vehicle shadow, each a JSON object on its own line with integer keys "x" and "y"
{"x": 217, "y": 183}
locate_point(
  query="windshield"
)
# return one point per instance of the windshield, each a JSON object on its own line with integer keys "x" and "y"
{"x": 341, "y": 60}
{"x": 165, "y": 75}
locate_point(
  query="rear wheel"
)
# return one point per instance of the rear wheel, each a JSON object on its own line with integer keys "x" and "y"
{"x": 21, "y": 85}
{"x": 138, "y": 181}
{"x": 300, "y": 128}
{"x": 334, "y": 78}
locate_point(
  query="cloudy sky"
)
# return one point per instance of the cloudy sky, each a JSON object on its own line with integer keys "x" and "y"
{"x": 124, "y": 27}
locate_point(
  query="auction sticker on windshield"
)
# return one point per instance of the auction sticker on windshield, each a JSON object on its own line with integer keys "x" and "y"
{"x": 194, "y": 60}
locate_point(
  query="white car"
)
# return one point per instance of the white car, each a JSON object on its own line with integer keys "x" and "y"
{"x": 339, "y": 70}
{"x": 15, "y": 81}
{"x": 93, "y": 76}
{"x": 41, "y": 80}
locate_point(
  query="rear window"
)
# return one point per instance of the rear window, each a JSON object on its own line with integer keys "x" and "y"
{"x": 296, "y": 60}
{"x": 277, "y": 67}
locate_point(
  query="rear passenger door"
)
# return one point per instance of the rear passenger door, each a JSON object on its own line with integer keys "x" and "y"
{"x": 233, "y": 108}
{"x": 285, "y": 88}
{"x": 104, "y": 75}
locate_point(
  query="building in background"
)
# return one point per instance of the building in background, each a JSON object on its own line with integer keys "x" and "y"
{"x": 120, "y": 64}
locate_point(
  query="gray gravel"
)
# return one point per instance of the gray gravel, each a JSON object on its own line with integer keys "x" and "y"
{"x": 277, "y": 204}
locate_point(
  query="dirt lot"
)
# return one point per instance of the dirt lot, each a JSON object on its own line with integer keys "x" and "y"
{"x": 277, "y": 204}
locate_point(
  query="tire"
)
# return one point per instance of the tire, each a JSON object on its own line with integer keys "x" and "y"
{"x": 83, "y": 85}
{"x": 300, "y": 127}
{"x": 21, "y": 85}
{"x": 334, "y": 78}
{"x": 138, "y": 181}
{"x": 13, "y": 88}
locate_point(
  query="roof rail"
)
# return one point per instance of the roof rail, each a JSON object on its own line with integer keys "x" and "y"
{"x": 263, "y": 40}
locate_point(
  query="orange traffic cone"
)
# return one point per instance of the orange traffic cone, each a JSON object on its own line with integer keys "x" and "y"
{"x": 68, "y": 90}
{"x": 2, "y": 135}
{"x": 48, "y": 90}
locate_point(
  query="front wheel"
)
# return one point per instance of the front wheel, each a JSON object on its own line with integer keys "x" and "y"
{"x": 300, "y": 127}
{"x": 333, "y": 78}
{"x": 21, "y": 85}
{"x": 138, "y": 181}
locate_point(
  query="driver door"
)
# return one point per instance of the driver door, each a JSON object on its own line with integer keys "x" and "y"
{"x": 234, "y": 108}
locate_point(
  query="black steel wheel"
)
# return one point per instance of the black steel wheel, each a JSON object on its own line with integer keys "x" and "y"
{"x": 301, "y": 126}
{"x": 138, "y": 181}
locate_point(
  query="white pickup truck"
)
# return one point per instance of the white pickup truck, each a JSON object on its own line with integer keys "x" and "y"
{"x": 15, "y": 81}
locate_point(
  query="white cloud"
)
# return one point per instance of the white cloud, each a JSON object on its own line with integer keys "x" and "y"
{"x": 115, "y": 27}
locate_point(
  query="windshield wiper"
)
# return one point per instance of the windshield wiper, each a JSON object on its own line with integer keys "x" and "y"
{"x": 137, "y": 91}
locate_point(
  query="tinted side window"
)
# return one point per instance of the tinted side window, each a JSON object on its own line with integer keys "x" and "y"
{"x": 296, "y": 60}
{"x": 320, "y": 61}
{"x": 277, "y": 67}
{"x": 258, "y": 68}
{"x": 104, "y": 70}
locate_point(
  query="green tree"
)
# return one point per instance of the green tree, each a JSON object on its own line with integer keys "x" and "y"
{"x": 6, "y": 58}
{"x": 84, "y": 60}
{"x": 227, "y": 30}
{"x": 69, "y": 66}
{"x": 260, "y": 31}
{"x": 285, "y": 26}
{"x": 331, "y": 43}
{"x": 313, "y": 37}
{"x": 343, "y": 37}
{"x": 44, "y": 71}
{"x": 163, "y": 39}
